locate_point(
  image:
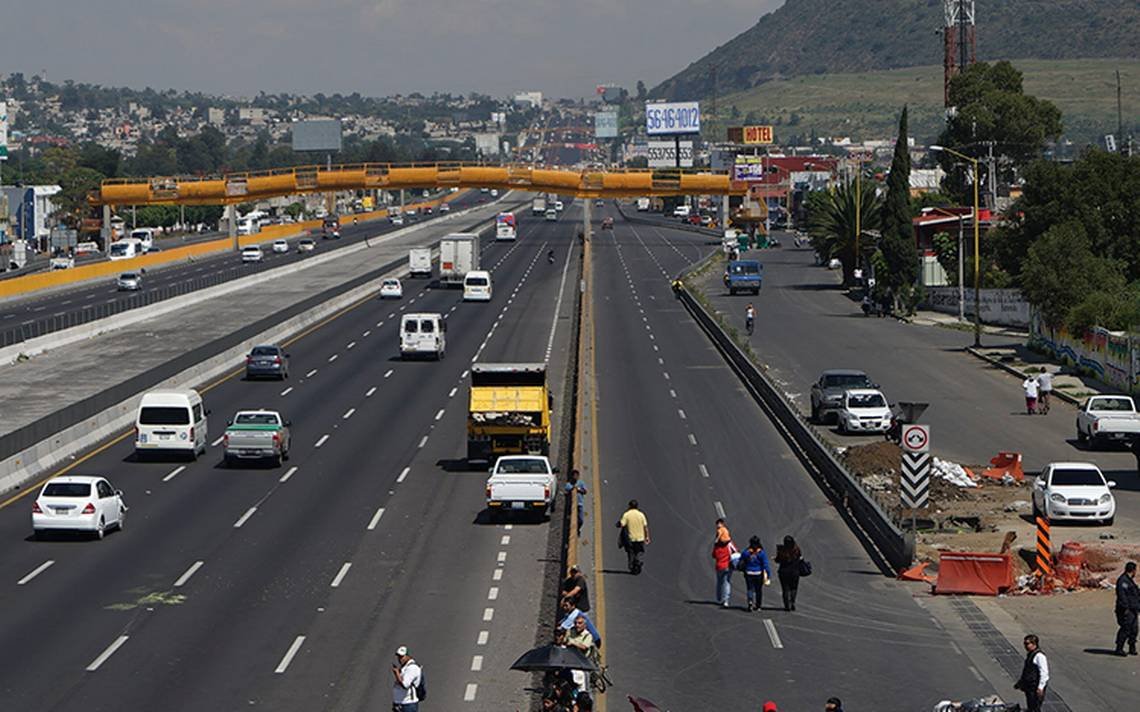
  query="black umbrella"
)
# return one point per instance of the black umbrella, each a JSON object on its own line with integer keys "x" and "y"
{"x": 553, "y": 657}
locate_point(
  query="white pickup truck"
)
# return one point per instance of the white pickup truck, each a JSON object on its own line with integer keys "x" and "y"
{"x": 256, "y": 435}
{"x": 1104, "y": 419}
{"x": 521, "y": 483}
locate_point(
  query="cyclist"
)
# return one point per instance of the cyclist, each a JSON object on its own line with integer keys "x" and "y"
{"x": 749, "y": 317}
{"x": 634, "y": 536}
{"x": 550, "y": 257}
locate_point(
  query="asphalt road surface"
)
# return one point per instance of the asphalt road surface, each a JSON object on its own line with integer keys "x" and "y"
{"x": 678, "y": 433}
{"x": 18, "y": 316}
{"x": 290, "y": 588}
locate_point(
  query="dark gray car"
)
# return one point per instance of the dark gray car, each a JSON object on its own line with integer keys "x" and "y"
{"x": 827, "y": 392}
{"x": 267, "y": 361}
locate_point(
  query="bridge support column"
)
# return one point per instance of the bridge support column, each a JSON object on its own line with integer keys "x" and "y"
{"x": 105, "y": 229}
{"x": 586, "y": 219}
{"x": 231, "y": 225}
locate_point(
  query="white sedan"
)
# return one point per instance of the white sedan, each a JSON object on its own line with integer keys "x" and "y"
{"x": 280, "y": 247}
{"x": 391, "y": 289}
{"x": 251, "y": 254}
{"x": 864, "y": 410}
{"x": 78, "y": 503}
{"x": 1074, "y": 491}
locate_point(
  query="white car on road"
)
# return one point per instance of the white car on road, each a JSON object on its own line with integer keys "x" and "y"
{"x": 391, "y": 289}
{"x": 251, "y": 254}
{"x": 1074, "y": 491}
{"x": 864, "y": 410}
{"x": 280, "y": 247}
{"x": 78, "y": 503}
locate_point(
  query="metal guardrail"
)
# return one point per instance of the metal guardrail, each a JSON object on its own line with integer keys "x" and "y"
{"x": 47, "y": 426}
{"x": 895, "y": 545}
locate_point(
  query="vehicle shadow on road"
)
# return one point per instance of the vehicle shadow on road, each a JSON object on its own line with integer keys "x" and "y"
{"x": 458, "y": 465}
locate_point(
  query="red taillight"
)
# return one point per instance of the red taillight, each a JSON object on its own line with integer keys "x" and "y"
{"x": 276, "y": 438}
{"x": 276, "y": 359}
{"x": 1095, "y": 425}
{"x": 226, "y": 439}
{"x": 248, "y": 359}
{"x": 36, "y": 508}
{"x": 191, "y": 432}
{"x": 546, "y": 493}
{"x": 89, "y": 509}
{"x": 488, "y": 491}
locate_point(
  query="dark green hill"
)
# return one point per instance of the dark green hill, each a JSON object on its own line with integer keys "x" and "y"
{"x": 807, "y": 37}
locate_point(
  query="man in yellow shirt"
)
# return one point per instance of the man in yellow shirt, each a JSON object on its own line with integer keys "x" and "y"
{"x": 634, "y": 535}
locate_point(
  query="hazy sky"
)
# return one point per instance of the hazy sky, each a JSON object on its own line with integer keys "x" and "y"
{"x": 376, "y": 47}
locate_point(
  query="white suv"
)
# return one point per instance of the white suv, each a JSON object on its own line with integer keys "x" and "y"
{"x": 864, "y": 410}
{"x": 1074, "y": 491}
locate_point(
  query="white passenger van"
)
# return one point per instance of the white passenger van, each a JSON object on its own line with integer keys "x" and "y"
{"x": 422, "y": 335}
{"x": 144, "y": 235}
{"x": 171, "y": 422}
{"x": 125, "y": 249}
{"x": 477, "y": 286}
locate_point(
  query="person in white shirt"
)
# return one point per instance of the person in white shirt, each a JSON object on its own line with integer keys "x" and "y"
{"x": 408, "y": 677}
{"x": 1034, "y": 675}
{"x": 1030, "y": 387}
{"x": 1045, "y": 385}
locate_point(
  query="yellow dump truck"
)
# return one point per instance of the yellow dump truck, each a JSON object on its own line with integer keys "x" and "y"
{"x": 509, "y": 411}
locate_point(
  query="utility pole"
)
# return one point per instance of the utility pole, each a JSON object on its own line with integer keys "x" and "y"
{"x": 992, "y": 175}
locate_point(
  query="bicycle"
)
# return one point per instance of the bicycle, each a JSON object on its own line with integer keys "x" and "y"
{"x": 749, "y": 325}
{"x": 600, "y": 680}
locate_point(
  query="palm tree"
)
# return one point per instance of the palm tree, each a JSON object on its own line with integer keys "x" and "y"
{"x": 831, "y": 225}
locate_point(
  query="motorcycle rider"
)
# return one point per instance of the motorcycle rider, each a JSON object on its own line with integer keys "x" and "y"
{"x": 550, "y": 257}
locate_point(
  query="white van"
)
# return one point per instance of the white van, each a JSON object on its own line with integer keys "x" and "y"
{"x": 171, "y": 422}
{"x": 125, "y": 249}
{"x": 248, "y": 226}
{"x": 144, "y": 235}
{"x": 422, "y": 335}
{"x": 477, "y": 286}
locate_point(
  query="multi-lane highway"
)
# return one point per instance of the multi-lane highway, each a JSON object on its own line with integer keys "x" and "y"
{"x": 289, "y": 588}
{"x": 37, "y": 314}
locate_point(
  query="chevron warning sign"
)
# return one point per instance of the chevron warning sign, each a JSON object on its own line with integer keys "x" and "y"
{"x": 914, "y": 485}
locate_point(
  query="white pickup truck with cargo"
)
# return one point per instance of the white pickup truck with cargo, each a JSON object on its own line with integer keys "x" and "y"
{"x": 419, "y": 262}
{"x": 1107, "y": 419}
{"x": 538, "y": 206}
{"x": 521, "y": 483}
{"x": 458, "y": 255}
{"x": 256, "y": 435}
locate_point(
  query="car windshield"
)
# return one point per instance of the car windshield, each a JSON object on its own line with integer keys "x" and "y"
{"x": 1077, "y": 477}
{"x": 253, "y": 250}
{"x": 845, "y": 379}
{"x": 524, "y": 467}
{"x": 744, "y": 268}
{"x": 256, "y": 419}
{"x": 264, "y": 351}
{"x": 118, "y": 249}
{"x": 1119, "y": 405}
{"x": 866, "y": 400}
{"x": 128, "y": 275}
{"x": 164, "y": 415}
{"x": 477, "y": 281}
{"x": 67, "y": 489}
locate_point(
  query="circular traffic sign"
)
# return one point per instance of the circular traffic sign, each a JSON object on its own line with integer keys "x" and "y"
{"x": 916, "y": 437}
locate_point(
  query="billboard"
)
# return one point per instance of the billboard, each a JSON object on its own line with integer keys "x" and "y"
{"x": 3, "y": 131}
{"x": 605, "y": 124}
{"x": 749, "y": 168}
{"x": 316, "y": 135}
{"x": 682, "y": 117}
{"x": 752, "y": 135}
{"x": 663, "y": 154}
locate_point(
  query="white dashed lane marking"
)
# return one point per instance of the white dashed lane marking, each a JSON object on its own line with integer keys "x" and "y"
{"x": 244, "y": 518}
{"x": 340, "y": 575}
{"x": 174, "y": 473}
{"x": 403, "y": 474}
{"x": 704, "y": 470}
{"x": 289, "y": 655}
{"x": 322, "y": 441}
{"x": 288, "y": 473}
{"x": 36, "y": 572}
{"x": 375, "y": 519}
{"x": 189, "y": 572}
{"x": 106, "y": 654}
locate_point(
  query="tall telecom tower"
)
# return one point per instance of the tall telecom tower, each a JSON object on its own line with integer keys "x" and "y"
{"x": 959, "y": 41}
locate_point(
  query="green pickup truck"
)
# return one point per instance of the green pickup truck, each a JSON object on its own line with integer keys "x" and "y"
{"x": 256, "y": 435}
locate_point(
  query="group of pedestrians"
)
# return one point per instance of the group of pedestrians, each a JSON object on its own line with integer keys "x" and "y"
{"x": 753, "y": 562}
{"x": 1038, "y": 392}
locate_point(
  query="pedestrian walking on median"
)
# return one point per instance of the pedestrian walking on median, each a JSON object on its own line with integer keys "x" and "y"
{"x": 722, "y": 552}
{"x": 1029, "y": 385}
{"x": 1034, "y": 674}
{"x": 789, "y": 559}
{"x": 634, "y": 536}
{"x": 1127, "y": 609}
{"x": 1045, "y": 391}
{"x": 408, "y": 688}
{"x": 757, "y": 573}
{"x": 572, "y": 487}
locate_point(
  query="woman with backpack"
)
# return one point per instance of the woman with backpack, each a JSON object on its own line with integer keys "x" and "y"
{"x": 790, "y": 566}
{"x": 754, "y": 563}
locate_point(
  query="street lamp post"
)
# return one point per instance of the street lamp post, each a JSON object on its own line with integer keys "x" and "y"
{"x": 977, "y": 242}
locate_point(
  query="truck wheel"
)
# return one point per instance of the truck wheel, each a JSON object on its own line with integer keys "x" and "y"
{"x": 1082, "y": 439}
{"x": 814, "y": 413}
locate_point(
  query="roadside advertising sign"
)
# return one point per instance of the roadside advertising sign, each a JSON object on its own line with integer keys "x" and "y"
{"x": 748, "y": 168}
{"x": 605, "y": 124}
{"x": 751, "y": 135}
{"x": 668, "y": 118}
{"x": 663, "y": 154}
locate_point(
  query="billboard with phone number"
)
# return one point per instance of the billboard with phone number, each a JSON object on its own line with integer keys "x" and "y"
{"x": 683, "y": 117}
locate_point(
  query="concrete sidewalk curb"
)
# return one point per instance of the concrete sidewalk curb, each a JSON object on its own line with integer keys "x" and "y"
{"x": 66, "y": 445}
{"x": 1019, "y": 373}
{"x": 34, "y": 347}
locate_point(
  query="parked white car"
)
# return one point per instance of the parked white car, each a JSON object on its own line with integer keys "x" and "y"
{"x": 391, "y": 289}
{"x": 280, "y": 247}
{"x": 251, "y": 254}
{"x": 1074, "y": 491}
{"x": 1105, "y": 419}
{"x": 78, "y": 503}
{"x": 864, "y": 410}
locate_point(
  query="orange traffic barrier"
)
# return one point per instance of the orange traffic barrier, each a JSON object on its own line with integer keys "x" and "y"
{"x": 1069, "y": 564}
{"x": 979, "y": 573}
{"x": 917, "y": 573}
{"x": 1044, "y": 568}
{"x": 1005, "y": 463}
